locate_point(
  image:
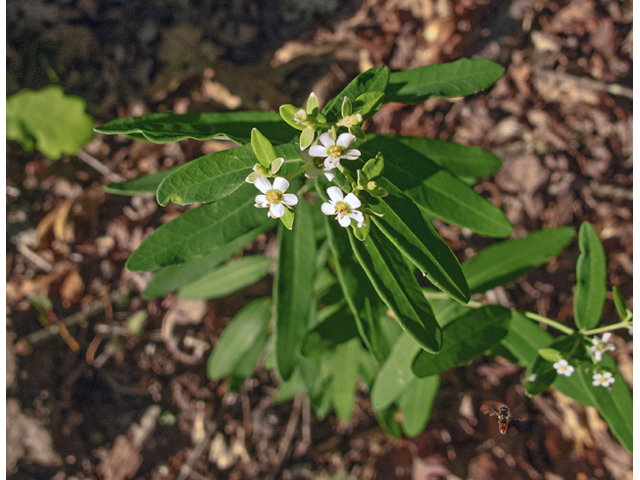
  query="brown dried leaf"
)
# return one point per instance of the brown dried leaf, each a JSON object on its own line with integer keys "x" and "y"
{"x": 72, "y": 288}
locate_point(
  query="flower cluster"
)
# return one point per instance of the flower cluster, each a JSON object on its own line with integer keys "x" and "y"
{"x": 604, "y": 379}
{"x": 601, "y": 346}
{"x": 563, "y": 367}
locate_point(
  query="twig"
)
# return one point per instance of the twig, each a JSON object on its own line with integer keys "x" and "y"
{"x": 285, "y": 443}
{"x": 186, "y": 470}
{"x": 612, "y": 88}
{"x": 305, "y": 443}
{"x": 100, "y": 167}
{"x": 34, "y": 257}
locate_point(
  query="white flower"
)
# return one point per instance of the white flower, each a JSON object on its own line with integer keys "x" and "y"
{"x": 563, "y": 367}
{"x": 333, "y": 151}
{"x": 317, "y": 167}
{"x": 533, "y": 377}
{"x": 600, "y": 346}
{"x": 603, "y": 379}
{"x": 258, "y": 171}
{"x": 300, "y": 116}
{"x": 345, "y": 208}
{"x": 274, "y": 197}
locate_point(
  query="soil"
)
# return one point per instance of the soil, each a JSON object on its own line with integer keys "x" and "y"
{"x": 83, "y": 403}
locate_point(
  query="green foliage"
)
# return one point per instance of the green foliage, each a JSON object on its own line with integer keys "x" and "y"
{"x": 49, "y": 121}
{"x": 340, "y": 275}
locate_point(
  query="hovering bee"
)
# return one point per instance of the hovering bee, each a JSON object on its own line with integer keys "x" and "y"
{"x": 503, "y": 414}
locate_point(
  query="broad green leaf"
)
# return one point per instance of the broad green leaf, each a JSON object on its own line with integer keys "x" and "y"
{"x": 238, "y": 338}
{"x": 245, "y": 367}
{"x": 396, "y": 285}
{"x": 323, "y": 402}
{"x": 306, "y": 137}
{"x": 367, "y": 104}
{"x": 139, "y": 186}
{"x": 337, "y": 327}
{"x": 174, "y": 277}
{"x": 464, "y": 338}
{"x": 445, "y": 309}
{"x": 621, "y": 305}
{"x": 507, "y": 261}
{"x": 373, "y": 80}
{"x": 219, "y": 174}
{"x": 288, "y": 112}
{"x": 455, "y": 79}
{"x": 541, "y": 374}
{"x": 171, "y": 127}
{"x": 615, "y": 405}
{"x": 345, "y": 378}
{"x": 49, "y": 121}
{"x": 388, "y": 422}
{"x": 416, "y": 403}
{"x": 459, "y": 160}
{"x": 228, "y": 279}
{"x": 288, "y": 390}
{"x": 591, "y": 279}
{"x": 315, "y": 372}
{"x": 198, "y": 232}
{"x": 373, "y": 168}
{"x": 402, "y": 223}
{"x": 292, "y": 288}
{"x": 435, "y": 190}
{"x": 262, "y": 148}
{"x": 366, "y": 306}
{"x": 395, "y": 375}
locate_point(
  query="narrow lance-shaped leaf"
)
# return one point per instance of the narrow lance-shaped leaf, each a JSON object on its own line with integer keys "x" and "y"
{"x": 219, "y": 174}
{"x": 591, "y": 279}
{"x": 416, "y": 403}
{"x": 402, "y": 223}
{"x": 171, "y": 127}
{"x": 293, "y": 287}
{"x": 464, "y": 338}
{"x": 245, "y": 367}
{"x": 139, "y": 186}
{"x": 396, "y": 285}
{"x": 455, "y": 79}
{"x": 238, "y": 337}
{"x": 507, "y": 261}
{"x": 198, "y": 232}
{"x": 345, "y": 377}
{"x": 262, "y": 148}
{"x": 336, "y": 326}
{"x": 228, "y": 279}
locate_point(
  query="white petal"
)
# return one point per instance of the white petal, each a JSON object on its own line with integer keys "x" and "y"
{"x": 330, "y": 163}
{"x": 344, "y": 221}
{"x": 263, "y": 184}
{"x": 260, "y": 199}
{"x": 346, "y": 139}
{"x": 327, "y": 139}
{"x": 351, "y": 154}
{"x": 276, "y": 210}
{"x": 280, "y": 184}
{"x": 329, "y": 175}
{"x": 318, "y": 151}
{"x": 606, "y": 337}
{"x": 607, "y": 374}
{"x": 328, "y": 209}
{"x": 290, "y": 199}
{"x": 335, "y": 194}
{"x": 352, "y": 201}
{"x": 358, "y": 217}
{"x": 598, "y": 356}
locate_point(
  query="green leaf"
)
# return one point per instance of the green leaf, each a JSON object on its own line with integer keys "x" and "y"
{"x": 459, "y": 160}
{"x": 238, "y": 338}
{"x": 373, "y": 168}
{"x": 345, "y": 377}
{"x": 139, "y": 186}
{"x": 435, "y": 190}
{"x": 445, "y": 309}
{"x": 228, "y": 279}
{"x": 455, "y": 79}
{"x": 416, "y": 403}
{"x": 464, "y": 338}
{"x": 198, "y": 232}
{"x": 262, "y": 148}
{"x": 396, "y": 285}
{"x": 288, "y": 390}
{"x": 615, "y": 405}
{"x": 550, "y": 354}
{"x": 245, "y": 367}
{"x": 312, "y": 104}
{"x": 396, "y": 374}
{"x": 174, "y": 277}
{"x": 347, "y": 107}
{"x": 49, "y": 121}
{"x": 387, "y": 420}
{"x": 541, "y": 374}
{"x": 620, "y": 303}
{"x": 292, "y": 288}
{"x": 368, "y": 103}
{"x": 336, "y": 327}
{"x": 287, "y": 112}
{"x": 373, "y": 80}
{"x": 306, "y": 137}
{"x": 171, "y": 127}
{"x": 215, "y": 176}
{"x": 287, "y": 218}
{"x": 591, "y": 275}
{"x": 507, "y": 261}
{"x": 404, "y": 226}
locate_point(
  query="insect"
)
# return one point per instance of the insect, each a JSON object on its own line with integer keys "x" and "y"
{"x": 503, "y": 414}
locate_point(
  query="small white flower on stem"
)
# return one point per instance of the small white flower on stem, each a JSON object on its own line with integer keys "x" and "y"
{"x": 600, "y": 346}
{"x": 334, "y": 150}
{"x": 603, "y": 379}
{"x": 563, "y": 367}
{"x": 344, "y": 208}
{"x": 317, "y": 167}
{"x": 274, "y": 197}
{"x": 300, "y": 116}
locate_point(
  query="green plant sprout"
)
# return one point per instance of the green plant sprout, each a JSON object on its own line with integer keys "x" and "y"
{"x": 354, "y": 213}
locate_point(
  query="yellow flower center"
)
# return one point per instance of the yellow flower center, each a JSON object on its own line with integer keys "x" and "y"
{"x": 274, "y": 196}
{"x": 343, "y": 208}
{"x": 335, "y": 151}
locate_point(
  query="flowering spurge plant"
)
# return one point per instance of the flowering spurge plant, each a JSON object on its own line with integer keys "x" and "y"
{"x": 354, "y": 212}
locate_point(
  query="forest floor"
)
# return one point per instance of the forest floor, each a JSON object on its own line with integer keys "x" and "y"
{"x": 560, "y": 118}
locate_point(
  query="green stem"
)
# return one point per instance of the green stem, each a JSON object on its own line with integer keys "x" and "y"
{"x": 302, "y": 169}
{"x": 443, "y": 296}
{"x": 551, "y": 323}
{"x": 347, "y": 174}
{"x": 624, "y": 324}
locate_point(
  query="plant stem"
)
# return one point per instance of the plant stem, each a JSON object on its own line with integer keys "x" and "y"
{"x": 548, "y": 321}
{"x": 302, "y": 169}
{"x": 624, "y": 324}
